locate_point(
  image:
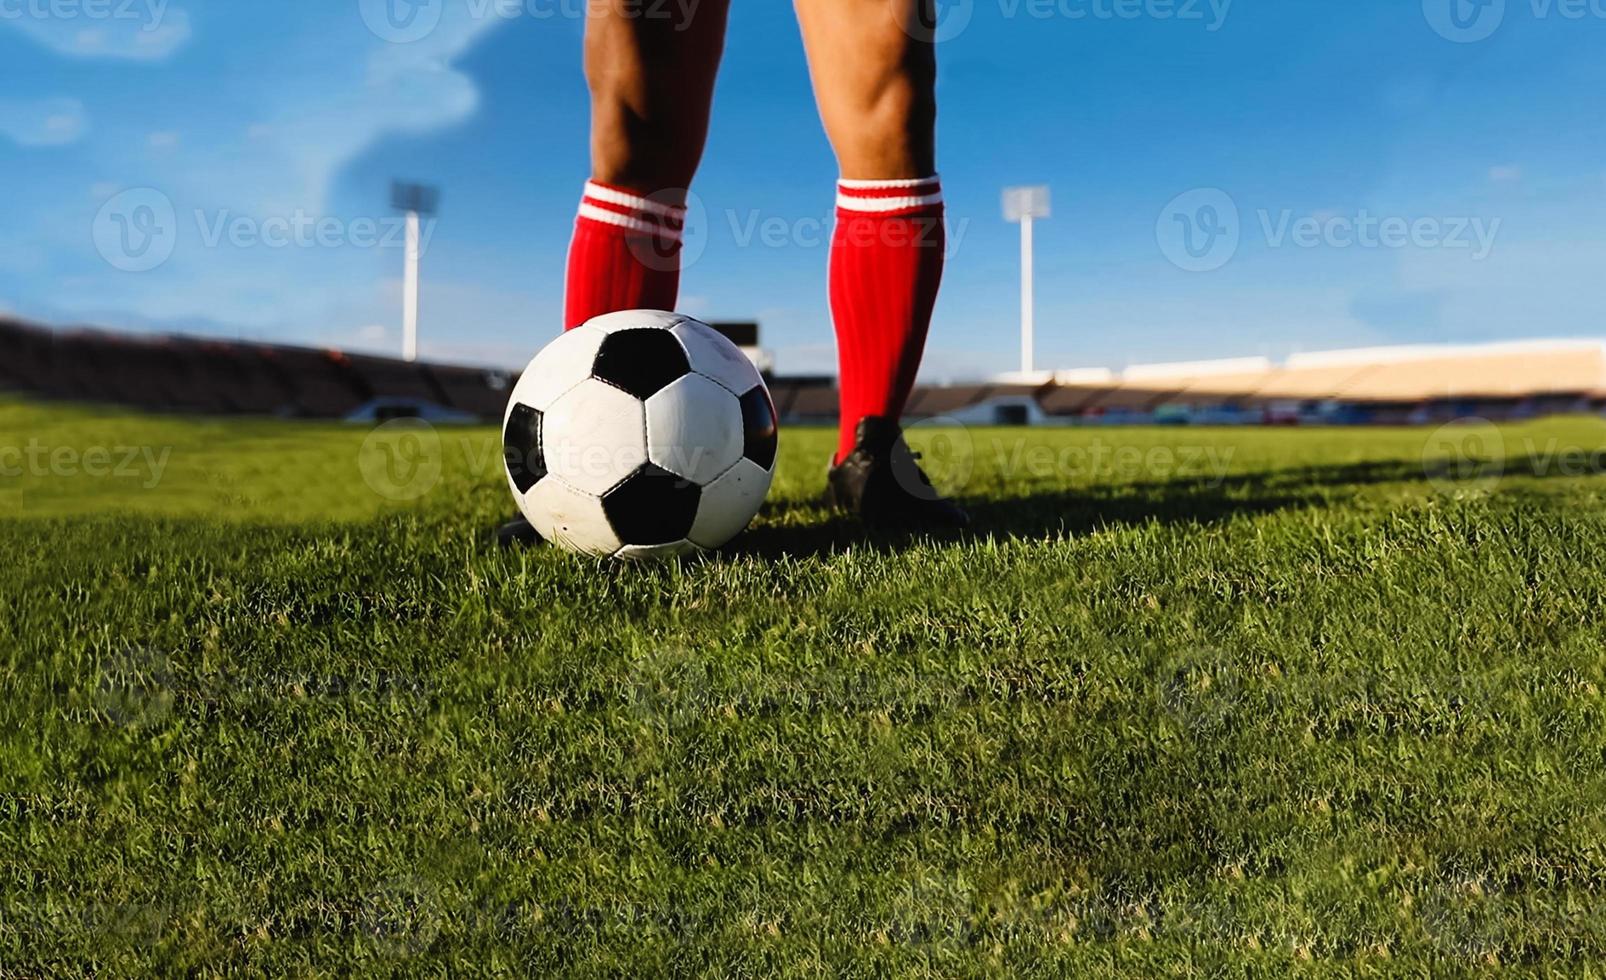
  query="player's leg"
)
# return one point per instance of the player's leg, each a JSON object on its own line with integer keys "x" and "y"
{"x": 874, "y": 71}
{"x": 651, "y": 77}
{"x": 650, "y": 69}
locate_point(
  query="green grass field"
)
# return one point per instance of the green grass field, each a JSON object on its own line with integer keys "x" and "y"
{"x": 1189, "y": 701}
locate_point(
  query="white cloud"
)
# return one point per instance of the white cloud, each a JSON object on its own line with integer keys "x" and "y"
{"x": 695, "y": 305}
{"x": 305, "y": 132}
{"x": 282, "y": 159}
{"x": 1509, "y": 173}
{"x": 43, "y": 122}
{"x": 145, "y": 30}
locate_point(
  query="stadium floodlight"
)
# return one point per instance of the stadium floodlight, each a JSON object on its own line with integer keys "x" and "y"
{"x": 1023, "y": 205}
{"x": 416, "y": 201}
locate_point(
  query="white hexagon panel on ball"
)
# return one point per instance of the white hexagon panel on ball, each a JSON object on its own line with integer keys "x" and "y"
{"x": 694, "y": 429}
{"x": 560, "y": 366}
{"x": 713, "y": 356}
{"x": 729, "y": 504}
{"x": 594, "y": 437}
{"x": 569, "y": 518}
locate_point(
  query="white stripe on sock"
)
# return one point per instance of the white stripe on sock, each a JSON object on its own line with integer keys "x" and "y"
{"x": 607, "y": 217}
{"x": 610, "y": 196}
{"x": 881, "y": 185}
{"x": 882, "y": 205}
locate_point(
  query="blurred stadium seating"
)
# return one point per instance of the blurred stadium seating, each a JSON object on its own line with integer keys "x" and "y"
{"x": 1388, "y": 385}
{"x": 218, "y": 377}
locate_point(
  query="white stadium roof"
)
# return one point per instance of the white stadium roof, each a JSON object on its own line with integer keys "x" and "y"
{"x": 1404, "y": 373}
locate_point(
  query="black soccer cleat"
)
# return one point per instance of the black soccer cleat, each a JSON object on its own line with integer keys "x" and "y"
{"x": 517, "y": 532}
{"x": 882, "y": 482}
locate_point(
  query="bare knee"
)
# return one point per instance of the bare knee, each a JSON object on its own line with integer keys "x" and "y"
{"x": 876, "y": 84}
{"x": 651, "y": 90}
{"x": 891, "y": 131}
{"x": 644, "y": 151}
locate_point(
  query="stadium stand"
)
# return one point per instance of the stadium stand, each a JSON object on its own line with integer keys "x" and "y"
{"x": 786, "y": 391}
{"x": 320, "y": 381}
{"x": 814, "y": 403}
{"x": 1388, "y": 385}
{"x": 236, "y": 380}
{"x": 480, "y": 392}
{"x": 1132, "y": 402}
{"x": 930, "y": 402}
{"x": 24, "y": 354}
{"x": 1071, "y": 400}
{"x": 379, "y": 377}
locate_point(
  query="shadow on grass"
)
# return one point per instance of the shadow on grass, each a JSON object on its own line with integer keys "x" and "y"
{"x": 805, "y": 529}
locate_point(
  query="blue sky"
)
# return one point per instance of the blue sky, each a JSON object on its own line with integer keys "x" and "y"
{"x": 1346, "y": 174}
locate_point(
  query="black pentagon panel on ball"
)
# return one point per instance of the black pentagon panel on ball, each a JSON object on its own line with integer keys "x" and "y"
{"x": 521, "y": 447}
{"x": 653, "y": 506}
{"x": 641, "y": 362}
{"x": 761, "y": 431}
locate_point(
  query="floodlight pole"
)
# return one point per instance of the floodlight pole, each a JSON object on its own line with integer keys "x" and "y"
{"x": 1028, "y": 299}
{"x": 1024, "y": 205}
{"x": 410, "y": 292}
{"x": 414, "y": 200}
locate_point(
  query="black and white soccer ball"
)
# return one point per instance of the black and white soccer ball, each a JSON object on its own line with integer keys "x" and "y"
{"x": 640, "y": 434}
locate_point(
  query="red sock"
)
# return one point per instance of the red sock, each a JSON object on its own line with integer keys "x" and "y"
{"x": 886, "y": 266}
{"x": 625, "y": 254}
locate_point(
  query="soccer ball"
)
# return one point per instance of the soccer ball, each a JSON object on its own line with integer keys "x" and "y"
{"x": 640, "y": 434}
